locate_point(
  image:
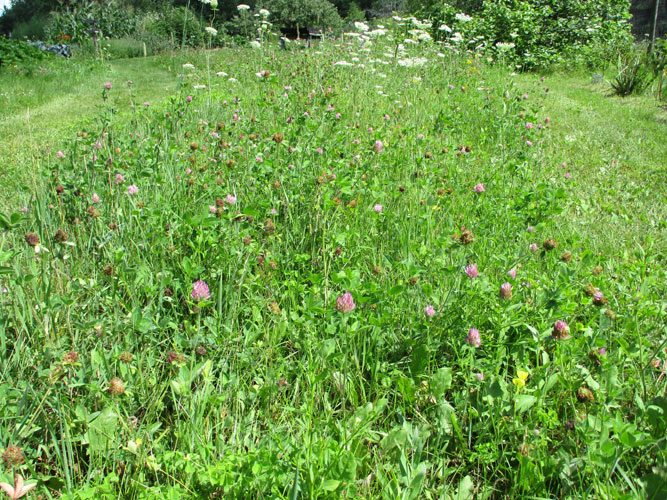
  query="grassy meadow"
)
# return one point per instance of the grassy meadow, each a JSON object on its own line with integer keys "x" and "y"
{"x": 341, "y": 272}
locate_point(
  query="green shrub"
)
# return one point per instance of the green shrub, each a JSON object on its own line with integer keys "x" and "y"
{"x": 33, "y": 29}
{"x": 633, "y": 76}
{"x": 355, "y": 13}
{"x": 638, "y": 69}
{"x": 155, "y": 41}
{"x": 180, "y": 24}
{"x": 244, "y": 24}
{"x": 17, "y": 52}
{"x": 305, "y": 13}
{"x": 539, "y": 33}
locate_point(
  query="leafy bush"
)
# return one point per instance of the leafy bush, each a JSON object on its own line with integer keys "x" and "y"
{"x": 16, "y": 18}
{"x": 633, "y": 77}
{"x": 305, "y": 13}
{"x": 637, "y": 69}
{"x": 539, "y": 33}
{"x": 242, "y": 25}
{"x": 180, "y": 24}
{"x": 18, "y": 52}
{"x": 33, "y": 29}
{"x": 657, "y": 60}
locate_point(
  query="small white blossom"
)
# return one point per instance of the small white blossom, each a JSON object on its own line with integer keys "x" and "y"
{"x": 361, "y": 27}
{"x": 504, "y": 46}
{"x": 464, "y": 18}
{"x": 415, "y": 61}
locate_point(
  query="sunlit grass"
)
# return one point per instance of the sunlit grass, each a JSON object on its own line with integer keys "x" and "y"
{"x": 297, "y": 279}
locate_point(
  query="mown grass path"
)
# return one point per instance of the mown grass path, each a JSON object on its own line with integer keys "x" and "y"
{"x": 615, "y": 150}
{"x": 39, "y": 108}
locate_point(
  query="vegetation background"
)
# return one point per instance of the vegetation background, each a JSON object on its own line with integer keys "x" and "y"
{"x": 31, "y": 18}
{"x": 426, "y": 258}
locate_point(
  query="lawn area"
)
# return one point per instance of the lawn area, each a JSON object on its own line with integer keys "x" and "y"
{"x": 43, "y": 105}
{"x": 342, "y": 272}
{"x": 616, "y": 152}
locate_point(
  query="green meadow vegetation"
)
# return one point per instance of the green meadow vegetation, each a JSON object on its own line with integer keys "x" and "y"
{"x": 377, "y": 267}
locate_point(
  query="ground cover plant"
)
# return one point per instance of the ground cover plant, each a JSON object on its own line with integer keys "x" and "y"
{"x": 13, "y": 52}
{"x": 368, "y": 270}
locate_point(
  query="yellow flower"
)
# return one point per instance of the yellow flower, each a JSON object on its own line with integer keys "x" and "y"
{"x": 520, "y": 381}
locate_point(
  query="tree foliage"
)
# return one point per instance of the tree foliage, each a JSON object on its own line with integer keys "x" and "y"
{"x": 304, "y": 13}
{"x": 531, "y": 33}
{"x": 537, "y": 33}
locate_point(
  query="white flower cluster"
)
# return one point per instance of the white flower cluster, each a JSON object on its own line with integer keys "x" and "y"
{"x": 463, "y": 18}
{"x": 413, "y": 61}
{"x": 505, "y": 46}
{"x": 361, "y": 27}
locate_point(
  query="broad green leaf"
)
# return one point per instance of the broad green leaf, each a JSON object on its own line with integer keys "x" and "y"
{"x": 524, "y": 402}
{"x": 102, "y": 430}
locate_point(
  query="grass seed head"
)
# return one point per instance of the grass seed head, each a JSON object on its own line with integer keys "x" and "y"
{"x": 61, "y": 236}
{"x": 466, "y": 237}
